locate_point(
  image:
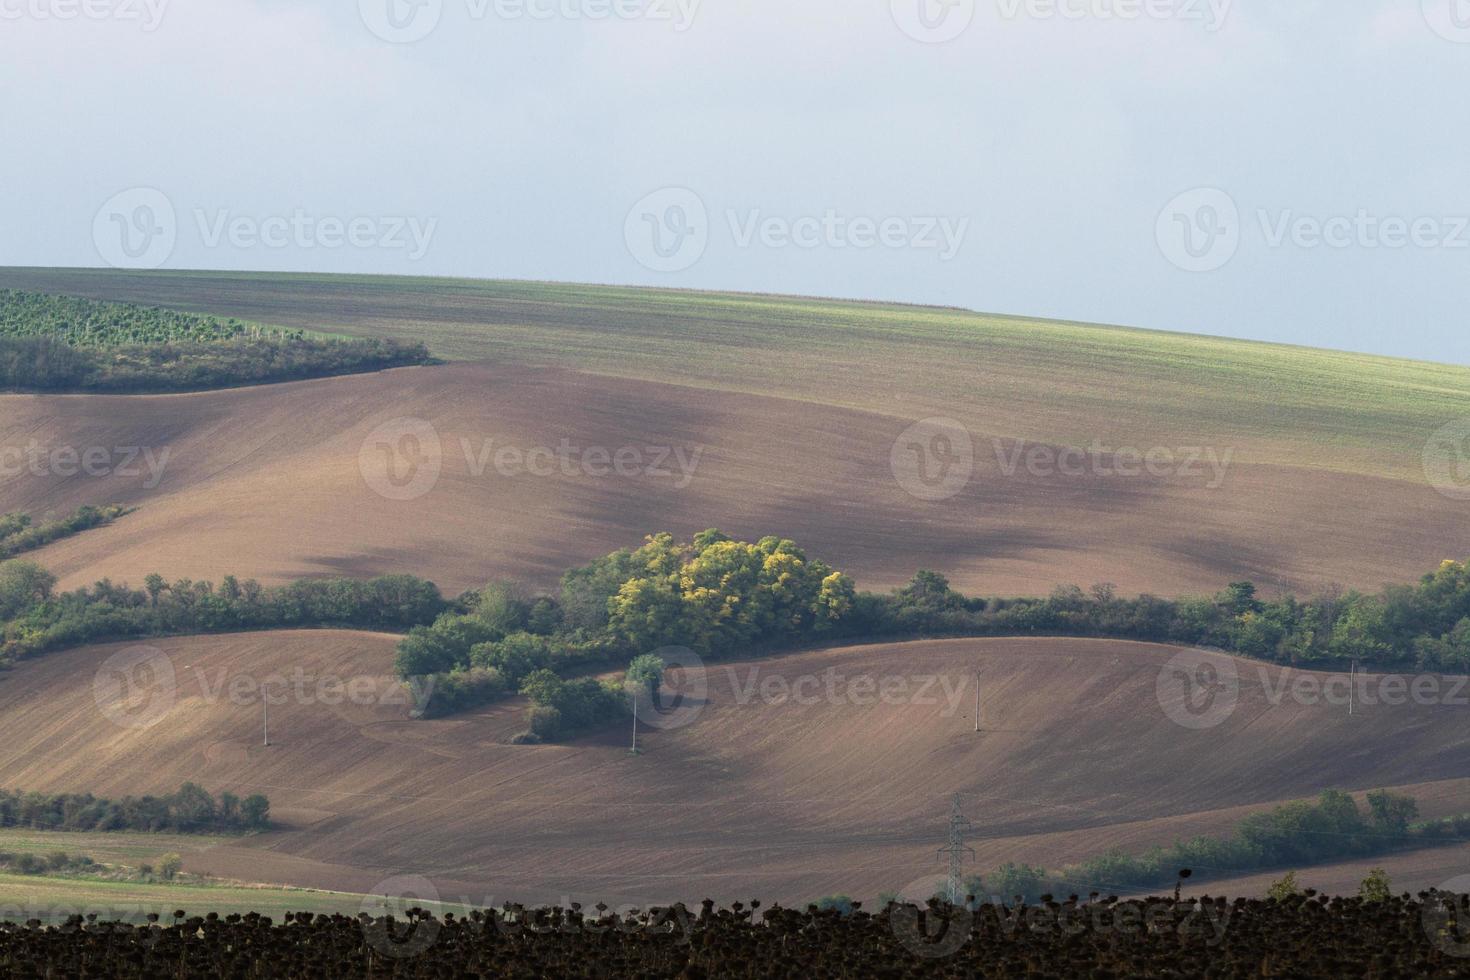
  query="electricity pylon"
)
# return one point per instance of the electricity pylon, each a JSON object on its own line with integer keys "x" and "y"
{"x": 957, "y": 851}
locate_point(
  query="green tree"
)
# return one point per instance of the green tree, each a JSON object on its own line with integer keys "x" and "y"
{"x": 1376, "y": 887}
{"x": 22, "y": 585}
{"x": 1391, "y": 814}
{"x": 169, "y": 866}
{"x": 1284, "y": 888}
{"x": 255, "y": 812}
{"x": 155, "y": 586}
{"x": 646, "y": 672}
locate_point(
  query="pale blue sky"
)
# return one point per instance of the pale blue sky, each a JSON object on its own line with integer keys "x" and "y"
{"x": 1025, "y": 165}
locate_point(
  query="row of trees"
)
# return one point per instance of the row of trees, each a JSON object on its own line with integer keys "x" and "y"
{"x": 718, "y": 597}
{"x": 18, "y": 534}
{"x": 55, "y": 343}
{"x": 1294, "y": 834}
{"x": 1422, "y": 626}
{"x": 80, "y": 322}
{"x": 35, "y": 619}
{"x": 191, "y": 810}
{"x": 47, "y": 363}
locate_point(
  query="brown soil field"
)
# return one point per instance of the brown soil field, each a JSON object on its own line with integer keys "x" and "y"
{"x": 274, "y": 483}
{"x": 845, "y": 789}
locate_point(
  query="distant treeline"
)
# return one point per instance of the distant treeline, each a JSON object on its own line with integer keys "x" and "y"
{"x": 192, "y": 810}
{"x": 83, "y": 322}
{"x": 1294, "y": 835}
{"x": 1424, "y": 626}
{"x": 65, "y": 343}
{"x": 47, "y": 364}
{"x": 720, "y": 597}
{"x": 19, "y": 535}
{"x": 35, "y": 619}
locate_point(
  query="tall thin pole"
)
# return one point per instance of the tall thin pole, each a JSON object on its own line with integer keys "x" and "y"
{"x": 635, "y": 724}
{"x": 265, "y": 716}
{"x": 1353, "y": 688}
{"x": 977, "y": 702}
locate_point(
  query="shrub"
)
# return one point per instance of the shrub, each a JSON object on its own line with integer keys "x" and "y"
{"x": 1376, "y": 887}
{"x": 545, "y": 723}
{"x": 1284, "y": 888}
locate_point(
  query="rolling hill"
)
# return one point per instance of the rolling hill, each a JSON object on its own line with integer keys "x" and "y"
{"x": 789, "y": 413}
{"x": 782, "y": 798}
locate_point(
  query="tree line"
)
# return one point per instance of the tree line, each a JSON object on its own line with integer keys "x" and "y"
{"x": 1297, "y": 834}
{"x": 67, "y": 343}
{"x": 1425, "y": 626}
{"x": 35, "y": 619}
{"x": 18, "y": 534}
{"x": 191, "y": 810}
{"x": 46, "y": 364}
{"x": 721, "y": 597}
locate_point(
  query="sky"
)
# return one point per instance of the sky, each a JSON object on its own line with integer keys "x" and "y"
{"x": 1286, "y": 170}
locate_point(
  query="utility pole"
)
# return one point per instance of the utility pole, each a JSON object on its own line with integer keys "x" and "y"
{"x": 635, "y": 724}
{"x": 265, "y": 717}
{"x": 977, "y": 702}
{"x": 957, "y": 851}
{"x": 1353, "y": 688}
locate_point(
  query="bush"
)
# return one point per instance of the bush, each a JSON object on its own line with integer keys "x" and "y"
{"x": 1284, "y": 888}
{"x": 1376, "y": 887}
{"x": 545, "y": 723}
